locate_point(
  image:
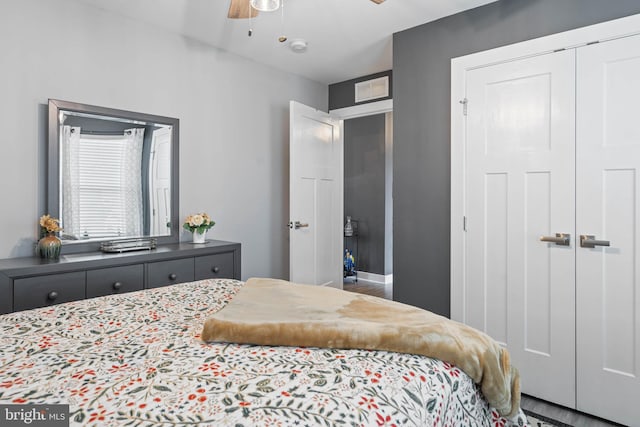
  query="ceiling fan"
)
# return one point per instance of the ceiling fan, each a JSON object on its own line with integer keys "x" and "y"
{"x": 239, "y": 9}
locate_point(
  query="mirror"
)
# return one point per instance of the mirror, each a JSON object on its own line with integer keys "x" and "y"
{"x": 113, "y": 174}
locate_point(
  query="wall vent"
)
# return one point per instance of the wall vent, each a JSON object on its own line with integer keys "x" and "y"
{"x": 372, "y": 89}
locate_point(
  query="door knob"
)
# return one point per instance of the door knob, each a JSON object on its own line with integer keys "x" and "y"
{"x": 297, "y": 224}
{"x": 589, "y": 241}
{"x": 562, "y": 239}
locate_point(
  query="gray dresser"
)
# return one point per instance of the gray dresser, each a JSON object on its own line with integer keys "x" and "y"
{"x": 31, "y": 282}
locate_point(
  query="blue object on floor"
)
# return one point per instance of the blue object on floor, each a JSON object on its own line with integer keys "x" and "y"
{"x": 349, "y": 263}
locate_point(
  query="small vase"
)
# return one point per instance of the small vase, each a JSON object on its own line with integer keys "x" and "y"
{"x": 348, "y": 228}
{"x": 49, "y": 247}
{"x": 199, "y": 237}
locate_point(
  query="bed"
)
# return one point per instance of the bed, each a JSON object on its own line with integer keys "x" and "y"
{"x": 138, "y": 359}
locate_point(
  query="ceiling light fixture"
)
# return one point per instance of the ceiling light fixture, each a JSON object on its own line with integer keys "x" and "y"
{"x": 265, "y": 5}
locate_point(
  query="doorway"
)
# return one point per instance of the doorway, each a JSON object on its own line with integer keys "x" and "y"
{"x": 368, "y": 203}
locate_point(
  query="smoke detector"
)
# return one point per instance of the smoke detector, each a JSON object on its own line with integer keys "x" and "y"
{"x": 298, "y": 45}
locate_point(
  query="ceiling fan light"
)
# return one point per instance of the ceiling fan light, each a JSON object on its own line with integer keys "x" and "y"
{"x": 265, "y": 5}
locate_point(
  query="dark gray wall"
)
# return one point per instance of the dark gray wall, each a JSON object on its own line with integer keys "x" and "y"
{"x": 364, "y": 189}
{"x": 421, "y": 80}
{"x": 343, "y": 94}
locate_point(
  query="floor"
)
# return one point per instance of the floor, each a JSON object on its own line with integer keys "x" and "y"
{"x": 560, "y": 413}
{"x": 529, "y": 403}
{"x": 370, "y": 288}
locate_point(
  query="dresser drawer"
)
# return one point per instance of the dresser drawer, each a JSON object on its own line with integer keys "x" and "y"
{"x": 169, "y": 272}
{"x": 33, "y": 292}
{"x": 214, "y": 266}
{"x": 115, "y": 280}
{"x": 6, "y": 290}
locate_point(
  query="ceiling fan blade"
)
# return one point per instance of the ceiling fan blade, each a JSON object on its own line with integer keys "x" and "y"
{"x": 240, "y": 9}
{"x": 377, "y": 1}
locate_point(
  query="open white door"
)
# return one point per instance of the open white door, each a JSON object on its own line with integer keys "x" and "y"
{"x": 160, "y": 183}
{"x": 316, "y": 197}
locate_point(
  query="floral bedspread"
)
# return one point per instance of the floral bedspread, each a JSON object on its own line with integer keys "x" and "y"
{"x": 136, "y": 359}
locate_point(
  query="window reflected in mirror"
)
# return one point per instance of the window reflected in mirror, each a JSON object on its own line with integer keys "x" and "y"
{"x": 115, "y": 173}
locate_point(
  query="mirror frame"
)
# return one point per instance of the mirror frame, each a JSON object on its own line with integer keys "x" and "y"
{"x": 53, "y": 173}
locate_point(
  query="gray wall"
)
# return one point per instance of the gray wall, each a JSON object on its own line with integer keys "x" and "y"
{"x": 364, "y": 189}
{"x": 421, "y": 78}
{"x": 234, "y": 119}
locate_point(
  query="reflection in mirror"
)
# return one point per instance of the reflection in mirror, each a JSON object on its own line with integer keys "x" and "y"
{"x": 115, "y": 173}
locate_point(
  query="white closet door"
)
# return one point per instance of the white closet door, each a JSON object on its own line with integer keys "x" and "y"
{"x": 520, "y": 183}
{"x": 608, "y": 192}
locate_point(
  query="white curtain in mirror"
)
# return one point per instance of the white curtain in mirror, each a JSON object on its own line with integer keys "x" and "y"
{"x": 102, "y": 184}
{"x": 70, "y": 137}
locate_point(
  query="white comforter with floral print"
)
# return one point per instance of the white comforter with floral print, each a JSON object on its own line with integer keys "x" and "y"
{"x": 137, "y": 359}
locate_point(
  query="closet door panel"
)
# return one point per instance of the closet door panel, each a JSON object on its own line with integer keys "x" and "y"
{"x": 520, "y": 185}
{"x": 494, "y": 289}
{"x": 608, "y": 191}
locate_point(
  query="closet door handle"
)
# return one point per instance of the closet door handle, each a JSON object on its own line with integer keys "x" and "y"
{"x": 561, "y": 239}
{"x": 589, "y": 241}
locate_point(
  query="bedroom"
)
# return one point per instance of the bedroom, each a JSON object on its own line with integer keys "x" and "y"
{"x": 39, "y": 57}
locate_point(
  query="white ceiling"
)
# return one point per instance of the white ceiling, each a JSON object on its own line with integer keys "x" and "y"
{"x": 346, "y": 38}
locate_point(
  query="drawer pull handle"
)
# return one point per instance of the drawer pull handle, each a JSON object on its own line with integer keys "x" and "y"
{"x": 52, "y": 295}
{"x": 173, "y": 276}
{"x": 215, "y": 269}
{"x": 117, "y": 285}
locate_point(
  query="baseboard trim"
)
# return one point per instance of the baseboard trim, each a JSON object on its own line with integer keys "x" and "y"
{"x": 375, "y": 278}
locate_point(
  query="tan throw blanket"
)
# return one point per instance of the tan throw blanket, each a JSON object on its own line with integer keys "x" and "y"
{"x": 276, "y": 312}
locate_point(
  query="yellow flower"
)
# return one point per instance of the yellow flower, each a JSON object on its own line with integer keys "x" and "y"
{"x": 196, "y": 220}
{"x": 199, "y": 222}
{"x": 51, "y": 225}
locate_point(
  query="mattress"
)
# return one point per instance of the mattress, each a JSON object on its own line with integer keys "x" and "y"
{"x": 137, "y": 359}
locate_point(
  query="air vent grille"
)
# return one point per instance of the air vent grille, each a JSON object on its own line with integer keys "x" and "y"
{"x": 372, "y": 89}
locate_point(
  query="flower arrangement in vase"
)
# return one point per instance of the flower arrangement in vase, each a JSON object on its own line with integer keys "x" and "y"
{"x": 49, "y": 244}
{"x": 198, "y": 224}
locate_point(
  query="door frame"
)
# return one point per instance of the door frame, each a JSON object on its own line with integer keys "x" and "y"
{"x": 609, "y": 30}
{"x": 368, "y": 109}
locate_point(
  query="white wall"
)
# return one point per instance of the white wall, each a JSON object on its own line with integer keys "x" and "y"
{"x": 233, "y": 119}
